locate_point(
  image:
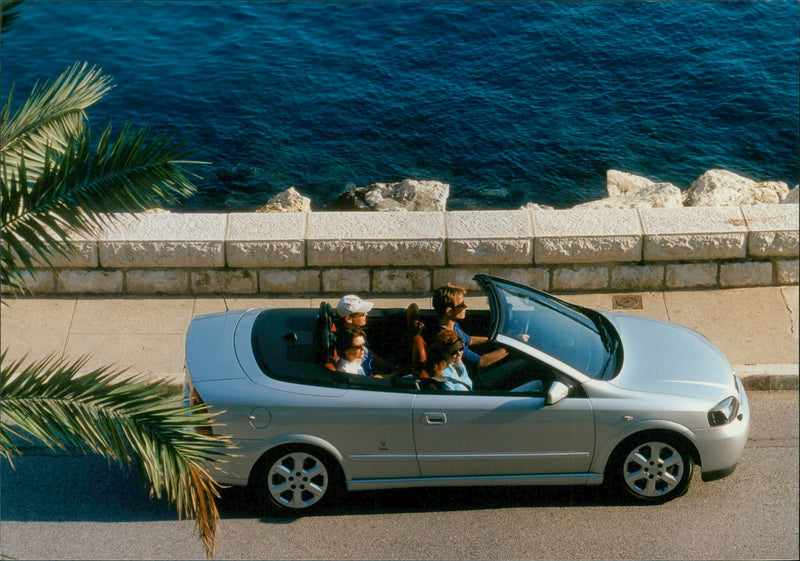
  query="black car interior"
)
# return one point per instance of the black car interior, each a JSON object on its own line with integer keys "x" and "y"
{"x": 299, "y": 345}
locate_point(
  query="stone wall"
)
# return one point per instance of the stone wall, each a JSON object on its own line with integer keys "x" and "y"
{"x": 413, "y": 252}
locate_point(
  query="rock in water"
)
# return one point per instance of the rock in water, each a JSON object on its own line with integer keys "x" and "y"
{"x": 288, "y": 201}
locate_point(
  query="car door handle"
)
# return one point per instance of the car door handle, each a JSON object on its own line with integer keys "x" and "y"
{"x": 435, "y": 418}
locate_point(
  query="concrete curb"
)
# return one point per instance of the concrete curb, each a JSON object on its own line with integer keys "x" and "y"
{"x": 769, "y": 377}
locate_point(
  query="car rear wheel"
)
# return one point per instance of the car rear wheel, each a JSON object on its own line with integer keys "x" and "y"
{"x": 653, "y": 468}
{"x": 297, "y": 480}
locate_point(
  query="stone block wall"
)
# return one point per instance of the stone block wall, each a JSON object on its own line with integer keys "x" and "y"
{"x": 413, "y": 252}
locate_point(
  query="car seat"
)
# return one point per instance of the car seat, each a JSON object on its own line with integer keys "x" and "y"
{"x": 325, "y": 337}
{"x": 417, "y": 346}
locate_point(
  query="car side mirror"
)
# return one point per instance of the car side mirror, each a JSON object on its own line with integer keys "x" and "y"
{"x": 556, "y": 393}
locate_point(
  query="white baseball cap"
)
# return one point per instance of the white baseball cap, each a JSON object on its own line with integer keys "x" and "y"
{"x": 352, "y": 304}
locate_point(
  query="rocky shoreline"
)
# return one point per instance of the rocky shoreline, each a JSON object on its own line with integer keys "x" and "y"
{"x": 716, "y": 187}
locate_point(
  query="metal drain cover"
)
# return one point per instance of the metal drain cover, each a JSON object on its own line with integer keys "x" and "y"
{"x": 627, "y": 302}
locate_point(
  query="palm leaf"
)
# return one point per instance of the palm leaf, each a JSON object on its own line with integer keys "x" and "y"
{"x": 81, "y": 192}
{"x": 124, "y": 419}
{"x": 8, "y": 14}
{"x": 51, "y": 117}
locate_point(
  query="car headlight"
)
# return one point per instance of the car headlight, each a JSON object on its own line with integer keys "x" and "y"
{"x": 723, "y": 412}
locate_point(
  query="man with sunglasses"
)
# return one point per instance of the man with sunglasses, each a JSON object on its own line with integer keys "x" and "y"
{"x": 448, "y": 301}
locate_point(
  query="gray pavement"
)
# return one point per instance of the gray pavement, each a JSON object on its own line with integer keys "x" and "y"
{"x": 756, "y": 328}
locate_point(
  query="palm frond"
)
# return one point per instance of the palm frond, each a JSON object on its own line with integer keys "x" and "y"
{"x": 8, "y": 14}
{"x": 81, "y": 191}
{"x": 131, "y": 174}
{"x": 123, "y": 419}
{"x": 51, "y": 117}
{"x": 37, "y": 233}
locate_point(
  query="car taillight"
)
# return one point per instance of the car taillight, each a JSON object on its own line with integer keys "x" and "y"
{"x": 191, "y": 399}
{"x": 194, "y": 398}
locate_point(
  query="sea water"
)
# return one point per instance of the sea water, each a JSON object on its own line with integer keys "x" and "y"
{"x": 507, "y": 102}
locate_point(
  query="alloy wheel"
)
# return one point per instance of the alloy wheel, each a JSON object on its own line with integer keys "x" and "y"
{"x": 654, "y": 470}
{"x": 298, "y": 480}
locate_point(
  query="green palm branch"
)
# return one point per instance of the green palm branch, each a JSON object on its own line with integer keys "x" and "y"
{"x": 83, "y": 191}
{"x": 53, "y": 183}
{"x": 8, "y": 14}
{"x": 128, "y": 420}
{"x": 51, "y": 117}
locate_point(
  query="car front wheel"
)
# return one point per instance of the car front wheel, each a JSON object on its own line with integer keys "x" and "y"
{"x": 653, "y": 469}
{"x": 297, "y": 480}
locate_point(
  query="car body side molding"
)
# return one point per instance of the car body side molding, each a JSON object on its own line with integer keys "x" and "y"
{"x": 487, "y": 480}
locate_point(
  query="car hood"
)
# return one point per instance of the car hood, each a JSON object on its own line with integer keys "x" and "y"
{"x": 667, "y": 358}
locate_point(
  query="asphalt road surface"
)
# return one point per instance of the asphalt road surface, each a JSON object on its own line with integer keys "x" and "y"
{"x": 78, "y": 507}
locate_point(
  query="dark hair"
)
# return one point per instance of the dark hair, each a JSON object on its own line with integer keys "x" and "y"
{"x": 345, "y": 338}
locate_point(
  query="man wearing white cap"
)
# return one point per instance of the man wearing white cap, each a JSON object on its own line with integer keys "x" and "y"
{"x": 353, "y": 313}
{"x": 353, "y": 310}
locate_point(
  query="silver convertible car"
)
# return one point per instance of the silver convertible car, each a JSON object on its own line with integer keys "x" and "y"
{"x": 593, "y": 398}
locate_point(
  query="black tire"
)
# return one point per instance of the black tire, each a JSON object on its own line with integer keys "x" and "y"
{"x": 651, "y": 468}
{"x": 296, "y": 480}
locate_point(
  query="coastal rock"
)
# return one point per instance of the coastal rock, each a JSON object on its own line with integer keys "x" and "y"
{"x": 407, "y": 195}
{"x": 288, "y": 201}
{"x": 719, "y": 187}
{"x": 620, "y": 183}
{"x": 534, "y": 206}
{"x": 791, "y": 198}
{"x": 654, "y": 195}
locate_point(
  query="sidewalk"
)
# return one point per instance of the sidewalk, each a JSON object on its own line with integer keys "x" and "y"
{"x": 756, "y": 328}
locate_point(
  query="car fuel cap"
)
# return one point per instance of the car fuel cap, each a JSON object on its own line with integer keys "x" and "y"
{"x": 260, "y": 418}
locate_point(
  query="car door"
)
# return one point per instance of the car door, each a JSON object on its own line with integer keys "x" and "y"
{"x": 469, "y": 433}
{"x": 371, "y": 426}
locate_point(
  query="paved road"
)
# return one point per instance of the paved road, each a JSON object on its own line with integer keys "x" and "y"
{"x": 65, "y": 507}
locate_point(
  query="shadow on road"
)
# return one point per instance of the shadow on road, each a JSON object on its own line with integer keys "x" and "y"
{"x": 238, "y": 502}
{"x": 53, "y": 487}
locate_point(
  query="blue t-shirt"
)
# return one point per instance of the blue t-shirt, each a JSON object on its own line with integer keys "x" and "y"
{"x": 457, "y": 371}
{"x": 366, "y": 362}
{"x": 470, "y": 358}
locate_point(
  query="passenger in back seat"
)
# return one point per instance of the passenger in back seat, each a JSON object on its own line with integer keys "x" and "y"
{"x": 352, "y": 351}
{"x": 353, "y": 312}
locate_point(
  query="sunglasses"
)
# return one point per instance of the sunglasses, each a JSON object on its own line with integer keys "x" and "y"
{"x": 460, "y": 307}
{"x": 459, "y": 349}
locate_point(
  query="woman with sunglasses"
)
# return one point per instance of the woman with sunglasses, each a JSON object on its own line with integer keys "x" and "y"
{"x": 444, "y": 362}
{"x": 351, "y": 352}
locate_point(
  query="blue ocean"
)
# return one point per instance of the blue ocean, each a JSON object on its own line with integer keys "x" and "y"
{"x": 507, "y": 102}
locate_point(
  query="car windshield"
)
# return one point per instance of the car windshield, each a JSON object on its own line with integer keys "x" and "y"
{"x": 581, "y": 338}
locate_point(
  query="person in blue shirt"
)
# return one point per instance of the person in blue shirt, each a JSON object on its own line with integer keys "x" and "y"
{"x": 445, "y": 362}
{"x": 448, "y": 302}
